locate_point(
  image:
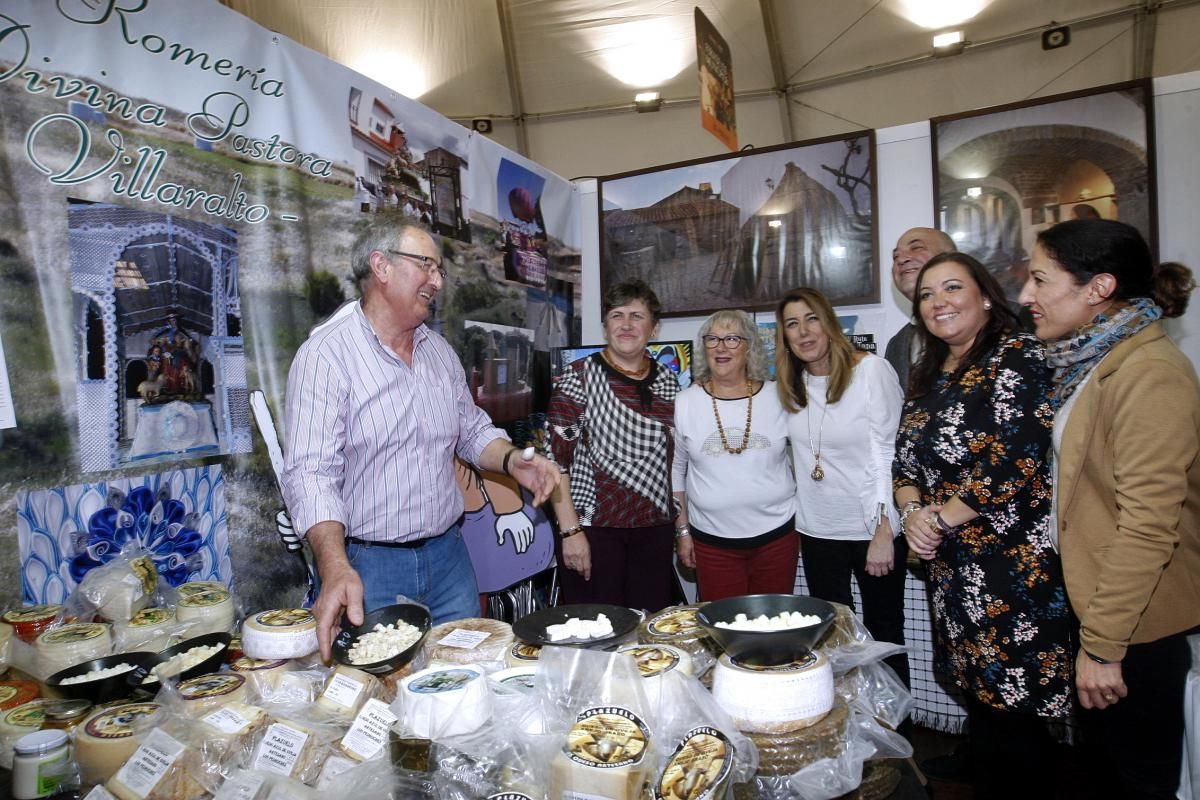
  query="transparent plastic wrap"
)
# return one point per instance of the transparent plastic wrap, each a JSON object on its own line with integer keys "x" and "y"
{"x": 152, "y": 629}
{"x": 165, "y": 768}
{"x": 107, "y": 738}
{"x": 479, "y": 641}
{"x": 677, "y": 626}
{"x": 345, "y": 691}
{"x": 207, "y": 606}
{"x": 294, "y": 743}
{"x": 444, "y": 702}
{"x": 295, "y": 687}
{"x": 116, "y": 590}
{"x": 62, "y": 646}
{"x": 381, "y": 780}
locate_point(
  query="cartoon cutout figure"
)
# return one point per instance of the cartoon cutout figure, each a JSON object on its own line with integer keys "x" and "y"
{"x": 508, "y": 539}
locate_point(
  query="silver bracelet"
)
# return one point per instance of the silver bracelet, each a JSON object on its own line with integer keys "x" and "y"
{"x": 682, "y": 531}
{"x": 907, "y": 511}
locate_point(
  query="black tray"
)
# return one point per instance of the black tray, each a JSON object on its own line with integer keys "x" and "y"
{"x": 532, "y": 628}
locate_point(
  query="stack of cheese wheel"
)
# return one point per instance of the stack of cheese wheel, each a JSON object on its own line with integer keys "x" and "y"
{"x": 880, "y": 779}
{"x": 844, "y": 629}
{"x": 346, "y": 690}
{"x": 775, "y": 699}
{"x": 17, "y": 693}
{"x": 788, "y": 753}
{"x": 468, "y": 641}
{"x": 16, "y": 722}
{"x": 109, "y": 737}
{"x": 68, "y": 645}
{"x": 28, "y": 623}
{"x": 678, "y": 627}
{"x": 604, "y": 755}
{"x": 204, "y": 693}
{"x": 121, "y": 589}
{"x": 280, "y": 633}
{"x": 445, "y": 701}
{"x": 149, "y": 630}
{"x": 207, "y": 606}
{"x": 263, "y": 675}
{"x": 522, "y": 654}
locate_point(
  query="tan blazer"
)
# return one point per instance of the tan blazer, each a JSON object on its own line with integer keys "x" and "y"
{"x": 1129, "y": 497}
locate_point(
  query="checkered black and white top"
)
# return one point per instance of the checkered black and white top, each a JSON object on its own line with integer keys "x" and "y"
{"x": 613, "y": 436}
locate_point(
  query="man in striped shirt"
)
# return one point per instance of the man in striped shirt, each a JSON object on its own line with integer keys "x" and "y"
{"x": 377, "y": 407}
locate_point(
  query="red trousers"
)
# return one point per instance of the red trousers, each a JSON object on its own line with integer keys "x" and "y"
{"x": 730, "y": 572}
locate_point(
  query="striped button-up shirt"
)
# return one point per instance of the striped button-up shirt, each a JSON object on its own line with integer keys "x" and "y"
{"x": 371, "y": 440}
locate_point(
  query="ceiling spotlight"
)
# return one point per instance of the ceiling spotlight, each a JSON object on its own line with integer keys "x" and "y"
{"x": 775, "y": 223}
{"x": 948, "y": 44}
{"x": 974, "y": 191}
{"x": 647, "y": 101}
{"x": 837, "y": 251}
{"x": 958, "y": 236}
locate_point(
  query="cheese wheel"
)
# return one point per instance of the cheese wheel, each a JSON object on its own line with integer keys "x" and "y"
{"x": 206, "y": 692}
{"x": 522, "y": 654}
{"x": 17, "y": 693}
{"x": 281, "y": 633}
{"x": 345, "y": 691}
{"x": 262, "y": 675}
{"x": 656, "y": 660}
{"x": 206, "y": 605}
{"x": 604, "y": 755}
{"x": 519, "y": 679}
{"x": 788, "y": 753}
{"x": 149, "y": 630}
{"x": 109, "y": 737}
{"x": 29, "y": 622}
{"x": 678, "y": 627}
{"x": 68, "y": 645}
{"x": 698, "y": 768}
{"x": 468, "y": 641}
{"x": 439, "y": 701}
{"x": 16, "y": 722}
{"x": 774, "y": 699}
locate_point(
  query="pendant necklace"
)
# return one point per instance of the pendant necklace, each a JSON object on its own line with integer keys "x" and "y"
{"x": 712, "y": 392}
{"x": 818, "y": 473}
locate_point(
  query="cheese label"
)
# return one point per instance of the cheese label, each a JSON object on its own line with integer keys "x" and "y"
{"x": 285, "y": 618}
{"x": 699, "y": 767}
{"x": 226, "y": 720}
{"x": 7, "y": 693}
{"x": 32, "y": 613}
{"x": 652, "y": 661}
{"x": 241, "y": 785}
{"x": 343, "y": 690}
{"x": 193, "y": 588}
{"x": 369, "y": 733}
{"x": 150, "y": 616}
{"x": 446, "y": 680}
{"x": 80, "y": 632}
{"x": 509, "y": 796}
{"x": 607, "y": 737}
{"x": 213, "y": 595}
{"x": 149, "y": 763}
{"x": 675, "y": 623}
{"x": 523, "y": 651}
{"x": 120, "y": 722}
{"x": 248, "y": 664}
{"x": 791, "y": 666}
{"x": 522, "y": 682}
{"x": 205, "y": 687}
{"x": 30, "y": 715}
{"x": 280, "y": 749}
{"x": 464, "y": 639}
{"x": 144, "y": 573}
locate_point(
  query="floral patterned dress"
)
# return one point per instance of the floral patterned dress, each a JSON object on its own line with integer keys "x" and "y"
{"x": 999, "y": 604}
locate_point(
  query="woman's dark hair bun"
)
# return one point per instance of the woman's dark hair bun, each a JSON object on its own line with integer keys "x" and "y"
{"x": 1173, "y": 285}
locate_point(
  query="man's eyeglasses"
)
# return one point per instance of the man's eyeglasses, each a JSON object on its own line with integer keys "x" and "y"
{"x": 731, "y": 342}
{"x": 428, "y": 263}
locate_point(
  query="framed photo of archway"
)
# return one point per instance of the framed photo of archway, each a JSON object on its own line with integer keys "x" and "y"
{"x": 1003, "y": 174}
{"x": 742, "y": 229}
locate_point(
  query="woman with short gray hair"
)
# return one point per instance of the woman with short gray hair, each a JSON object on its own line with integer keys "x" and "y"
{"x": 731, "y": 472}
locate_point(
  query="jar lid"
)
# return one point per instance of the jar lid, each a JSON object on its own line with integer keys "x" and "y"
{"x": 38, "y": 742}
{"x": 67, "y": 709}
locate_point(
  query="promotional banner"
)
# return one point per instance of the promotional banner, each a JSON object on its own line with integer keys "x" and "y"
{"x": 716, "y": 82}
{"x": 179, "y": 192}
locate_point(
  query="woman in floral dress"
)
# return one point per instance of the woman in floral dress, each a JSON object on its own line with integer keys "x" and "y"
{"x": 973, "y": 486}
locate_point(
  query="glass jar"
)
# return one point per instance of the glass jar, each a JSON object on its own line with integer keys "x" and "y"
{"x": 64, "y": 715}
{"x": 41, "y": 762}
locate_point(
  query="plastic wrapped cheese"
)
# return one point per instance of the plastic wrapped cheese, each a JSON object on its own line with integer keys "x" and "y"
{"x": 230, "y": 731}
{"x": 522, "y": 653}
{"x": 440, "y": 701}
{"x": 774, "y": 699}
{"x": 206, "y": 606}
{"x": 263, "y": 675}
{"x": 68, "y": 645}
{"x": 346, "y": 690}
{"x": 29, "y": 622}
{"x": 149, "y": 630}
{"x": 678, "y": 627}
{"x": 280, "y": 633}
{"x": 291, "y": 748}
{"x": 161, "y": 768}
{"x": 18, "y": 693}
{"x": 698, "y": 768}
{"x": 106, "y": 740}
{"x": 121, "y": 588}
{"x": 468, "y": 641}
{"x": 604, "y": 755}
{"x": 788, "y": 753}
{"x": 16, "y": 722}
{"x": 204, "y": 693}
{"x": 656, "y": 660}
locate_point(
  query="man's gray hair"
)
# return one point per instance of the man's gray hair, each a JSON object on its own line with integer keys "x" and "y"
{"x": 743, "y": 324}
{"x": 383, "y": 232}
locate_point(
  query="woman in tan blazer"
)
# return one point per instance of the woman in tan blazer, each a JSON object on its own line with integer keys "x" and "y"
{"x": 1127, "y": 491}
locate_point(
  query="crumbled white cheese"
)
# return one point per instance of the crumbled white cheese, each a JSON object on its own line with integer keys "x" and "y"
{"x": 780, "y": 622}
{"x": 97, "y": 674}
{"x": 383, "y": 642}
{"x": 575, "y": 628}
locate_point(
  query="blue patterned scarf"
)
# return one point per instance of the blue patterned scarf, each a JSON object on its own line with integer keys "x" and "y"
{"x": 1074, "y": 358}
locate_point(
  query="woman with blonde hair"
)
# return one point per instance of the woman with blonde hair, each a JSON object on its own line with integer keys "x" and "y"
{"x": 731, "y": 475}
{"x": 844, "y": 408}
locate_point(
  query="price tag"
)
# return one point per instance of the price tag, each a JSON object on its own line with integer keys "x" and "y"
{"x": 280, "y": 749}
{"x": 226, "y": 720}
{"x": 464, "y": 639}
{"x": 343, "y": 690}
{"x": 369, "y": 733}
{"x": 149, "y": 763}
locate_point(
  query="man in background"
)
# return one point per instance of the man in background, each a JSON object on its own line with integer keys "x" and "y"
{"x": 915, "y": 247}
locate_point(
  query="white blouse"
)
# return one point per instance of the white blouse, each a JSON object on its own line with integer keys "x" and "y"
{"x": 733, "y": 496}
{"x": 856, "y": 438}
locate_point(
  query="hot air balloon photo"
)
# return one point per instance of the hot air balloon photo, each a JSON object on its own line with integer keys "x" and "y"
{"x": 519, "y": 192}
